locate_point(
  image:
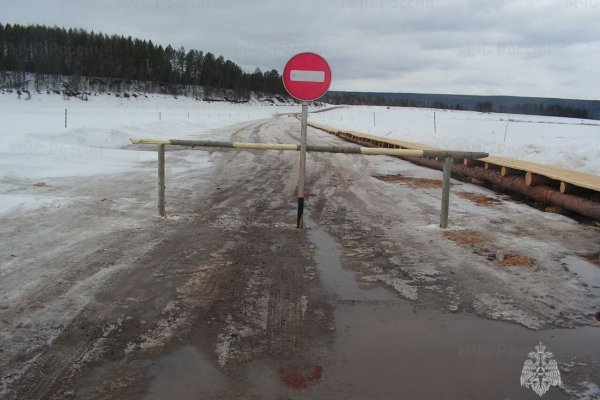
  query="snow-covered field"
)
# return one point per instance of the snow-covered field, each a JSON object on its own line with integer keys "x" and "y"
{"x": 565, "y": 142}
{"x": 35, "y": 145}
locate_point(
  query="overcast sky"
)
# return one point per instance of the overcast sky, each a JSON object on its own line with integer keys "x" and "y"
{"x": 548, "y": 48}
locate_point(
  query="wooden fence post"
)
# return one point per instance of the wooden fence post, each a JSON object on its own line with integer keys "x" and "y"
{"x": 446, "y": 193}
{"x": 161, "y": 180}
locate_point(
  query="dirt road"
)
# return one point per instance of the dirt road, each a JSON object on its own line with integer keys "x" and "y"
{"x": 227, "y": 299}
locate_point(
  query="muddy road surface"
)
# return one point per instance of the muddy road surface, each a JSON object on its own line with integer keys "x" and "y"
{"x": 226, "y": 299}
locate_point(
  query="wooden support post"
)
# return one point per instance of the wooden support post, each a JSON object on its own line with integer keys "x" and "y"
{"x": 446, "y": 193}
{"x": 301, "y": 173}
{"x": 161, "y": 180}
{"x": 532, "y": 179}
{"x": 567, "y": 188}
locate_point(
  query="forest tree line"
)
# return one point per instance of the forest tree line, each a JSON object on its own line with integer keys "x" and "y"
{"x": 76, "y": 52}
{"x": 553, "y": 110}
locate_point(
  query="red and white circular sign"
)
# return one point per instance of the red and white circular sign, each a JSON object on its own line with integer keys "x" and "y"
{"x": 306, "y": 76}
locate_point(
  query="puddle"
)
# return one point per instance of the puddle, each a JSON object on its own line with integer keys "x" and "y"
{"x": 184, "y": 374}
{"x": 382, "y": 350}
{"x": 334, "y": 278}
{"x": 386, "y": 349}
{"x": 587, "y": 272}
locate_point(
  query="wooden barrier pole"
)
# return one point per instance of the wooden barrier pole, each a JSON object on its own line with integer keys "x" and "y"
{"x": 161, "y": 180}
{"x": 446, "y": 193}
{"x": 316, "y": 148}
{"x": 301, "y": 173}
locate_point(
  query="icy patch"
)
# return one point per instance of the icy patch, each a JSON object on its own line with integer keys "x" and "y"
{"x": 504, "y": 310}
{"x": 586, "y": 272}
{"x": 163, "y": 332}
{"x": 252, "y": 321}
{"x": 585, "y": 391}
{"x": 10, "y": 202}
{"x": 303, "y": 305}
{"x": 110, "y": 327}
{"x": 399, "y": 285}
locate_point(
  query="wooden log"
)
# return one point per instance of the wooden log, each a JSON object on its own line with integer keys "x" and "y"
{"x": 491, "y": 166}
{"x": 469, "y": 162}
{"x": 505, "y": 171}
{"x": 541, "y": 194}
{"x": 532, "y": 179}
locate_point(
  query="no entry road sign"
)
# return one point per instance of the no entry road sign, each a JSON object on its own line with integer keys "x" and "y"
{"x": 307, "y": 76}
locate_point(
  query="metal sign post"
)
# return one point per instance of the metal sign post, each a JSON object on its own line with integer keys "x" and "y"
{"x": 302, "y": 170}
{"x": 306, "y": 77}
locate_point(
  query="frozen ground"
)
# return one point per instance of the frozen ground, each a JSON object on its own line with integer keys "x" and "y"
{"x": 565, "y": 142}
{"x": 100, "y": 298}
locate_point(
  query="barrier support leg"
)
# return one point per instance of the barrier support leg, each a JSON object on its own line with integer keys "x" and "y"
{"x": 446, "y": 193}
{"x": 161, "y": 180}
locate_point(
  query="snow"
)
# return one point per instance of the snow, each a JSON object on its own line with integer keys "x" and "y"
{"x": 35, "y": 145}
{"x": 565, "y": 142}
{"x": 11, "y": 201}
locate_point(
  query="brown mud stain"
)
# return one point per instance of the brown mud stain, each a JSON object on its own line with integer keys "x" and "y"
{"x": 517, "y": 259}
{"x": 593, "y": 258}
{"x": 419, "y": 183}
{"x": 479, "y": 199}
{"x": 465, "y": 237}
{"x": 481, "y": 245}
